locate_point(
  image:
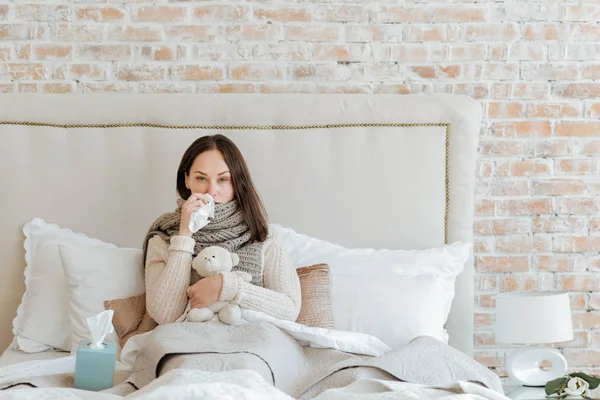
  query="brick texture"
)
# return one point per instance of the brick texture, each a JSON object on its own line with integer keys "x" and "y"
{"x": 533, "y": 66}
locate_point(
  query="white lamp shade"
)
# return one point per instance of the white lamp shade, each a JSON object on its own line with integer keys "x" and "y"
{"x": 533, "y": 317}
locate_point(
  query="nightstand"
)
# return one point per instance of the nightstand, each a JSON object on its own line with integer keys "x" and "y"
{"x": 515, "y": 391}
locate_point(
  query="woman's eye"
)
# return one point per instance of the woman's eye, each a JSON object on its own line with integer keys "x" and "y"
{"x": 201, "y": 178}
{"x": 223, "y": 179}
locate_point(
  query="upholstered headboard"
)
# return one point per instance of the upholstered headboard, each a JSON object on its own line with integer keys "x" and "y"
{"x": 358, "y": 170}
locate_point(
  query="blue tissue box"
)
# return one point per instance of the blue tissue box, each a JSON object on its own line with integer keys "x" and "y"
{"x": 95, "y": 368}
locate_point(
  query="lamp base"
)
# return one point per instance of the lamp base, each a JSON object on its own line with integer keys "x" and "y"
{"x": 527, "y": 365}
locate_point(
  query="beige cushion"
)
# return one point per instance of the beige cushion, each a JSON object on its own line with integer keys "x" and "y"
{"x": 315, "y": 283}
{"x": 131, "y": 317}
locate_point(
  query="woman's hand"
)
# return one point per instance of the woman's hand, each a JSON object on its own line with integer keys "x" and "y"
{"x": 205, "y": 292}
{"x": 193, "y": 203}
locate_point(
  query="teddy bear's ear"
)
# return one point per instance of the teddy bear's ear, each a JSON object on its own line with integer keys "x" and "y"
{"x": 235, "y": 259}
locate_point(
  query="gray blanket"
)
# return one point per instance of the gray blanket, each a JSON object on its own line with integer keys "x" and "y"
{"x": 294, "y": 369}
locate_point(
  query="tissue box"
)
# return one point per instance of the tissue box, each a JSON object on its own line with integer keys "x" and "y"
{"x": 95, "y": 368}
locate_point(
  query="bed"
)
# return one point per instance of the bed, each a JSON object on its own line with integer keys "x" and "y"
{"x": 82, "y": 162}
{"x": 11, "y": 356}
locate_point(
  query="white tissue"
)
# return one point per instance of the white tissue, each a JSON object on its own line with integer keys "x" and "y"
{"x": 100, "y": 325}
{"x": 199, "y": 218}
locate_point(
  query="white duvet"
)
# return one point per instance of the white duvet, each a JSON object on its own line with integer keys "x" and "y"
{"x": 234, "y": 385}
{"x": 239, "y": 384}
{"x": 249, "y": 385}
{"x": 349, "y": 342}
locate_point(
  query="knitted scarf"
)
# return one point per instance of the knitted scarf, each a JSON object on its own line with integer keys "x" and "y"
{"x": 227, "y": 229}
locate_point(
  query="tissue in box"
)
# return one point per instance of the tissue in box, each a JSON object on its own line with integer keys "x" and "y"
{"x": 95, "y": 368}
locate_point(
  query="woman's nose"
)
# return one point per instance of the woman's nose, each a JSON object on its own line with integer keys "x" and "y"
{"x": 212, "y": 189}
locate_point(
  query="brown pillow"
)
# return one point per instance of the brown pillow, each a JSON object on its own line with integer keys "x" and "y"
{"x": 131, "y": 317}
{"x": 315, "y": 283}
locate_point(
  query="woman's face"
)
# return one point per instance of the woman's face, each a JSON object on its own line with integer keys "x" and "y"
{"x": 210, "y": 174}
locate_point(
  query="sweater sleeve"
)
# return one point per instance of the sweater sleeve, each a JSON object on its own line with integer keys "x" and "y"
{"x": 281, "y": 295}
{"x": 168, "y": 267}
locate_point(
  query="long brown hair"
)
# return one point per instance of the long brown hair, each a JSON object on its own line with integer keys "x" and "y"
{"x": 244, "y": 192}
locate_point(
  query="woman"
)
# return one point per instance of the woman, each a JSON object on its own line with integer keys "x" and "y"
{"x": 214, "y": 165}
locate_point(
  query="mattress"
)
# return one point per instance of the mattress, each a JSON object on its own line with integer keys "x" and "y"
{"x": 10, "y": 356}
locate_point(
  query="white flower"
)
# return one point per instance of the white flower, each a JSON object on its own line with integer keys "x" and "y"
{"x": 576, "y": 386}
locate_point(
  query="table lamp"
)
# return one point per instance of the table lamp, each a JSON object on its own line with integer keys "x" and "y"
{"x": 534, "y": 318}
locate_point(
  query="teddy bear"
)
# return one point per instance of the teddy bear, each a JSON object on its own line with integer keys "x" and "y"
{"x": 212, "y": 261}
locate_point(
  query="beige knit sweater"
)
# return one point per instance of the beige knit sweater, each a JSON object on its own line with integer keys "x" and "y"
{"x": 168, "y": 270}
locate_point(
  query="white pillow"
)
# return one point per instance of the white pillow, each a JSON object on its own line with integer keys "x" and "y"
{"x": 42, "y": 320}
{"x": 394, "y": 295}
{"x": 96, "y": 274}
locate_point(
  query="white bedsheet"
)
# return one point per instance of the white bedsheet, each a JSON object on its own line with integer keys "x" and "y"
{"x": 249, "y": 385}
{"x": 239, "y": 384}
{"x": 16, "y": 365}
{"x": 377, "y": 389}
{"x": 11, "y": 356}
{"x": 349, "y": 342}
{"x": 22, "y": 367}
